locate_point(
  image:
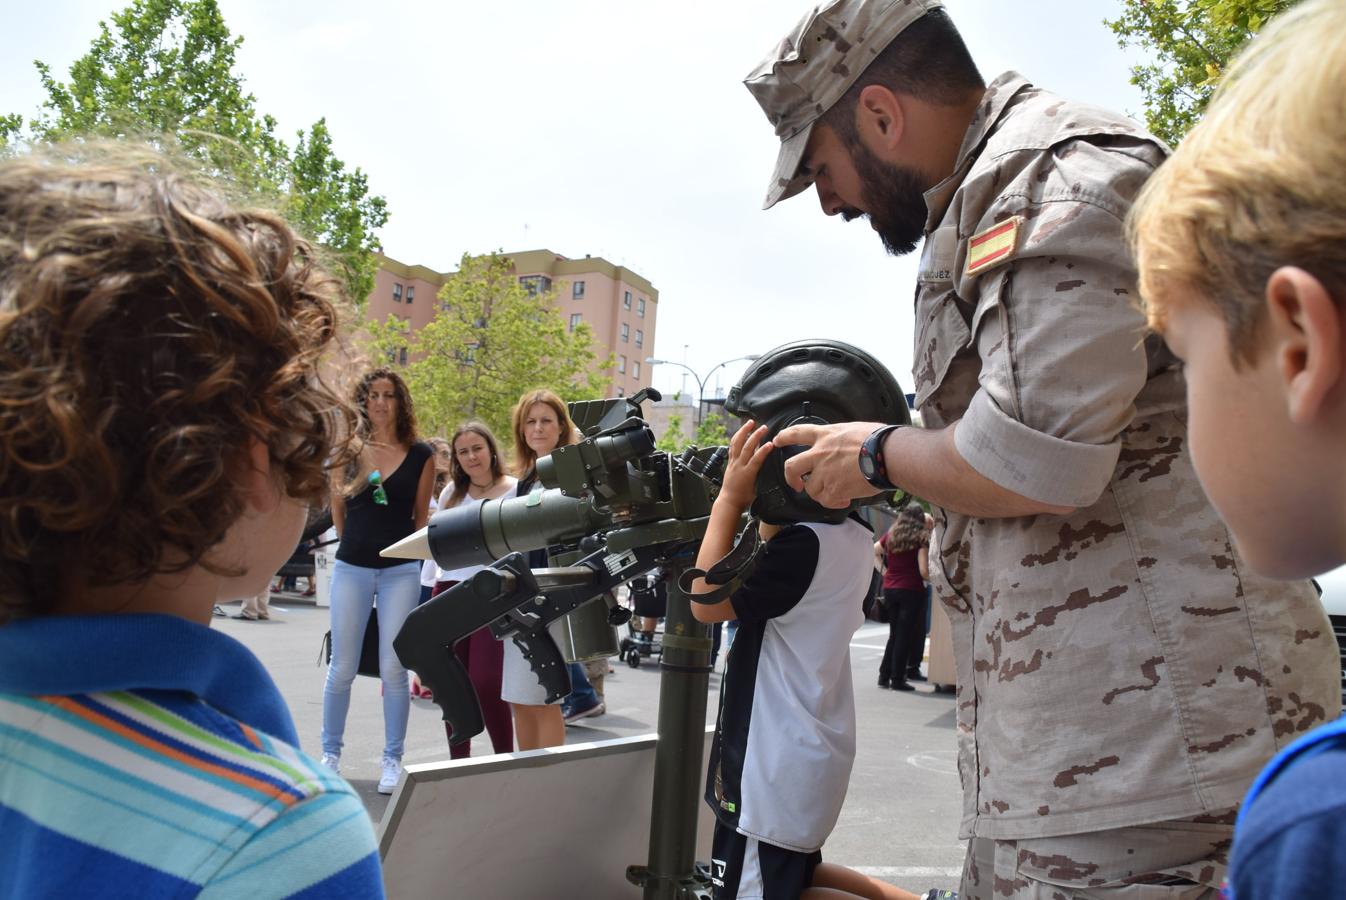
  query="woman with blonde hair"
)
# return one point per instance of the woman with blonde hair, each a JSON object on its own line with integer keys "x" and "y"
{"x": 541, "y": 424}
{"x": 904, "y": 552}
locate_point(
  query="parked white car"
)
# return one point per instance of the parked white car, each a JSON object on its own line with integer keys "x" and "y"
{"x": 1334, "y": 591}
{"x": 1334, "y": 601}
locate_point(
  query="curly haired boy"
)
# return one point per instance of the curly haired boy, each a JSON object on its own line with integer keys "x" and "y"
{"x": 163, "y": 423}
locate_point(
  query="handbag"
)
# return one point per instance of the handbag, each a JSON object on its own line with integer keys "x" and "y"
{"x": 875, "y": 608}
{"x": 369, "y": 649}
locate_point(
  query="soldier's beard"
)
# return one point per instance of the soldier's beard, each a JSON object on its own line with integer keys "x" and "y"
{"x": 895, "y": 196}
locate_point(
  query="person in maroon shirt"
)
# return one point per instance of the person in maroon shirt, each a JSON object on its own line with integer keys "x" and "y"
{"x": 903, "y": 553}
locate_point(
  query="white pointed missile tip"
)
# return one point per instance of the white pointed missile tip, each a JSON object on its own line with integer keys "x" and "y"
{"x": 413, "y": 546}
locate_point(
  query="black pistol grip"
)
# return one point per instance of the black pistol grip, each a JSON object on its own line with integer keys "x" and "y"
{"x": 545, "y": 659}
{"x": 453, "y": 691}
{"x": 448, "y": 680}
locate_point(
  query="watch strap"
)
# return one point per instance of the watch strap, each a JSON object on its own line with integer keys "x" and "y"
{"x": 873, "y": 448}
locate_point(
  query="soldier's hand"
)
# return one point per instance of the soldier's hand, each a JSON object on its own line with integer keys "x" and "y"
{"x": 829, "y": 471}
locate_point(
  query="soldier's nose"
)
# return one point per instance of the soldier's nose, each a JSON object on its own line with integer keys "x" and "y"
{"x": 828, "y": 199}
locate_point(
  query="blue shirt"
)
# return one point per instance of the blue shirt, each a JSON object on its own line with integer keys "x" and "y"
{"x": 1290, "y": 840}
{"x": 147, "y": 756}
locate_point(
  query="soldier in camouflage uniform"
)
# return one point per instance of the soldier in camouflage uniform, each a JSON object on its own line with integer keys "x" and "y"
{"x": 1121, "y": 674}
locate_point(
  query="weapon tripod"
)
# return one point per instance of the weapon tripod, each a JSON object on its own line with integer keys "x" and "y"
{"x": 518, "y": 602}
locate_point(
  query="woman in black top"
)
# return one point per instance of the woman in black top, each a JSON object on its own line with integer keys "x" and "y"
{"x": 385, "y": 498}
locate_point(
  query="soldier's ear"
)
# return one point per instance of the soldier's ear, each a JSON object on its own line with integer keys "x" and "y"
{"x": 880, "y": 119}
{"x": 1308, "y": 337}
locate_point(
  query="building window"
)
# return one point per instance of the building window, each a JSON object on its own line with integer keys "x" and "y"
{"x": 402, "y": 354}
{"x": 621, "y": 365}
{"x": 621, "y": 392}
{"x": 640, "y": 338}
{"x": 635, "y": 369}
{"x": 640, "y": 307}
{"x": 535, "y": 284}
{"x": 575, "y": 320}
{"x": 626, "y": 301}
{"x": 577, "y": 290}
{"x": 626, "y": 332}
{"x": 397, "y": 291}
{"x": 411, "y": 293}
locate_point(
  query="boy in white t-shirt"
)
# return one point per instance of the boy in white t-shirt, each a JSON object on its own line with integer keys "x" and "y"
{"x": 785, "y": 734}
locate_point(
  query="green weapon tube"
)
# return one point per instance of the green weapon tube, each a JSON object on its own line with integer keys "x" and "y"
{"x": 678, "y": 767}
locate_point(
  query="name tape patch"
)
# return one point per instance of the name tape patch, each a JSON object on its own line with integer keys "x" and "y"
{"x": 993, "y": 246}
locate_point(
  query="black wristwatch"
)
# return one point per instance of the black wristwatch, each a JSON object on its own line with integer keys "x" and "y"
{"x": 871, "y": 458}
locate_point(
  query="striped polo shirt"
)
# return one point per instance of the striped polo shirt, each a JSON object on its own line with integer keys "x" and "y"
{"x": 147, "y": 756}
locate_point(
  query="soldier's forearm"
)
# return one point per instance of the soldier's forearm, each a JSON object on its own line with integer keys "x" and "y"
{"x": 926, "y": 463}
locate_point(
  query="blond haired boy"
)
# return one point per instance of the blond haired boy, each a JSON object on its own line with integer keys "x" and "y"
{"x": 1240, "y": 241}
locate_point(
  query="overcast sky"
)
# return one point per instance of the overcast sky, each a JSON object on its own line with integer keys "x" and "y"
{"x": 611, "y": 127}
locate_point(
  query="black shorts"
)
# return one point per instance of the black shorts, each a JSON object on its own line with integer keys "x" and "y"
{"x": 650, "y": 603}
{"x": 744, "y": 868}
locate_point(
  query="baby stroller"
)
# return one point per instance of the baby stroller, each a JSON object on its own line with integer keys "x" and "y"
{"x": 649, "y": 601}
{"x": 300, "y": 563}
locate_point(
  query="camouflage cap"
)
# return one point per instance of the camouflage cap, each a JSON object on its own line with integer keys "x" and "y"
{"x": 814, "y": 65}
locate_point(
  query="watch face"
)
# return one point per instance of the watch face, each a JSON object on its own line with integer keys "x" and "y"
{"x": 867, "y": 467}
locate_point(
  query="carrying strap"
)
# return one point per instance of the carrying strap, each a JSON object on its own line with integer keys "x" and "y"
{"x": 1327, "y": 737}
{"x": 728, "y": 573}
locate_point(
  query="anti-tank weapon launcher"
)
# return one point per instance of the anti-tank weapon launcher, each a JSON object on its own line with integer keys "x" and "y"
{"x": 625, "y": 506}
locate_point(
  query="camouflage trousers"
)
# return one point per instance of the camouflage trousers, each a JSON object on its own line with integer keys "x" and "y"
{"x": 1181, "y": 859}
{"x": 596, "y": 670}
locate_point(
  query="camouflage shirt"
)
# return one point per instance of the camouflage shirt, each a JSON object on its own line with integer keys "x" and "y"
{"x": 1118, "y": 665}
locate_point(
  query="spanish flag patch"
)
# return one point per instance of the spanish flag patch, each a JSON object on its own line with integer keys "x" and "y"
{"x": 993, "y": 246}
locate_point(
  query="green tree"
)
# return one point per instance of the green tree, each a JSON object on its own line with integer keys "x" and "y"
{"x": 712, "y": 432}
{"x": 164, "y": 70}
{"x": 672, "y": 440}
{"x": 1191, "y": 42}
{"x": 489, "y": 342}
{"x": 324, "y": 199}
{"x": 11, "y": 128}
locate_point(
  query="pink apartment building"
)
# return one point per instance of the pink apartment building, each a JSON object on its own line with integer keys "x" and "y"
{"x": 618, "y": 305}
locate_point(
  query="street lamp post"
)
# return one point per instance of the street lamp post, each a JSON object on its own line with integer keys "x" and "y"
{"x": 700, "y": 382}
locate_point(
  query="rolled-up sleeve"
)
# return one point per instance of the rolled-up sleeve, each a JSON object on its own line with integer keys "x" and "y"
{"x": 1060, "y": 338}
{"x": 1030, "y": 463}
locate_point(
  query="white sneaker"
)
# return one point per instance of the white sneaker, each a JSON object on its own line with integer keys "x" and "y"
{"x": 392, "y": 771}
{"x": 333, "y": 762}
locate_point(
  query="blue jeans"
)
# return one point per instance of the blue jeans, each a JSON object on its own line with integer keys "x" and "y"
{"x": 582, "y": 693}
{"x": 353, "y": 591}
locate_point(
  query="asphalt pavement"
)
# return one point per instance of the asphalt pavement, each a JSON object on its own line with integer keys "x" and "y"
{"x": 900, "y": 821}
